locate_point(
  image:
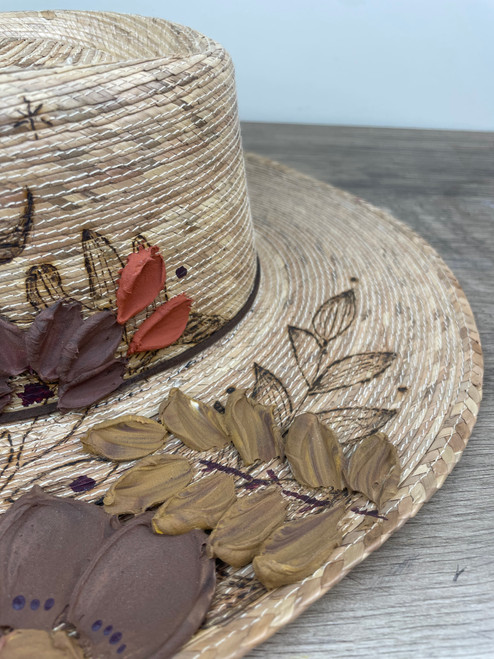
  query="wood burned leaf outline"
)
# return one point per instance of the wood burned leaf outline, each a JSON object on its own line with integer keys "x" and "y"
{"x": 43, "y": 285}
{"x": 270, "y": 390}
{"x": 307, "y": 351}
{"x": 30, "y": 117}
{"x": 13, "y": 240}
{"x": 102, "y": 263}
{"x": 354, "y": 423}
{"x": 351, "y": 370}
{"x": 334, "y": 316}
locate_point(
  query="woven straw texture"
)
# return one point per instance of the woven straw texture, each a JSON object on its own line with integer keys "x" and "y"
{"x": 404, "y": 357}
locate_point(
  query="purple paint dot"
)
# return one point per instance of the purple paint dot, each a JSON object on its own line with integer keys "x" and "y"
{"x": 121, "y": 649}
{"x": 34, "y": 605}
{"x": 181, "y": 272}
{"x": 18, "y": 602}
{"x": 82, "y": 484}
{"x": 116, "y": 638}
{"x": 97, "y": 625}
{"x": 49, "y": 604}
{"x": 35, "y": 393}
{"x": 108, "y": 630}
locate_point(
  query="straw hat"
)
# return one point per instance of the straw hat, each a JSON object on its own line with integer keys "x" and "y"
{"x": 117, "y": 131}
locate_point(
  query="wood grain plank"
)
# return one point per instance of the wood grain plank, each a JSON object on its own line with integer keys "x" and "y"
{"x": 405, "y": 600}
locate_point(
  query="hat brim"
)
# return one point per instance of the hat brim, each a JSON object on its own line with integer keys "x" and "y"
{"x": 401, "y": 353}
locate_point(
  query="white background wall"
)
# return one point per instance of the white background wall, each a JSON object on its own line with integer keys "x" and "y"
{"x": 410, "y": 63}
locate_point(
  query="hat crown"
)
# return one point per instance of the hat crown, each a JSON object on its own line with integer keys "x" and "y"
{"x": 108, "y": 143}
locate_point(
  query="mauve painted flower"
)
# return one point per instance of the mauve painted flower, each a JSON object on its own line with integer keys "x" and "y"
{"x": 127, "y": 591}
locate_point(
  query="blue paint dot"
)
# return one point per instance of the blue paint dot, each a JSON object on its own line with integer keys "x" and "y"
{"x": 107, "y": 630}
{"x": 97, "y": 625}
{"x": 181, "y": 271}
{"x": 35, "y": 604}
{"x": 116, "y": 638}
{"x": 49, "y": 604}
{"x": 18, "y": 602}
{"x": 121, "y": 649}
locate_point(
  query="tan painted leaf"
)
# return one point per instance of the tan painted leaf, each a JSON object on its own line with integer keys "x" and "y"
{"x": 199, "y": 426}
{"x": 153, "y": 480}
{"x": 252, "y": 428}
{"x": 199, "y": 506}
{"x": 374, "y": 469}
{"x": 314, "y": 453}
{"x": 297, "y": 549}
{"x": 127, "y": 437}
{"x": 246, "y": 525}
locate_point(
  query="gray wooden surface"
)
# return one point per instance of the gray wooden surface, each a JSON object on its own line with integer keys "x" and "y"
{"x": 429, "y": 591}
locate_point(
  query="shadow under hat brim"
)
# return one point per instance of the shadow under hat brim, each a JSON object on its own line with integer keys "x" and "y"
{"x": 401, "y": 354}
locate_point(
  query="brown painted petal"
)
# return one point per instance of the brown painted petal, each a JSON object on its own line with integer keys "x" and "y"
{"x": 199, "y": 426}
{"x": 46, "y": 543}
{"x": 143, "y": 592}
{"x": 5, "y": 393}
{"x": 29, "y": 643}
{"x": 127, "y": 437}
{"x": 200, "y": 506}
{"x": 52, "y": 328}
{"x": 252, "y": 428}
{"x": 13, "y": 357}
{"x": 244, "y": 527}
{"x": 92, "y": 345}
{"x": 297, "y": 549}
{"x": 91, "y": 386}
{"x": 153, "y": 480}
{"x": 140, "y": 281}
{"x": 163, "y": 327}
{"x": 374, "y": 469}
{"x": 314, "y": 453}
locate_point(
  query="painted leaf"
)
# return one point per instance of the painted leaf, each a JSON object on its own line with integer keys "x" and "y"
{"x": 5, "y": 393}
{"x": 103, "y": 265}
{"x": 13, "y": 238}
{"x": 163, "y": 327}
{"x": 141, "y": 280}
{"x": 353, "y": 423}
{"x": 352, "y": 370}
{"x": 91, "y": 386}
{"x": 334, "y": 316}
{"x": 374, "y": 469}
{"x": 307, "y": 352}
{"x": 13, "y": 356}
{"x": 43, "y": 286}
{"x": 269, "y": 390}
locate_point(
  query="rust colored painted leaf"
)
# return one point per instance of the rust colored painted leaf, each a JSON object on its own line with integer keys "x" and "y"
{"x": 314, "y": 453}
{"x": 43, "y": 285}
{"x": 374, "y": 469}
{"x": 334, "y": 316}
{"x": 13, "y": 356}
{"x": 352, "y": 370}
{"x": 29, "y": 643}
{"x": 270, "y": 390}
{"x": 163, "y": 327}
{"x": 244, "y": 527}
{"x": 127, "y": 437}
{"x": 199, "y": 426}
{"x": 91, "y": 346}
{"x": 46, "y": 543}
{"x": 199, "y": 506}
{"x": 153, "y": 480}
{"x": 252, "y": 428}
{"x": 297, "y": 549}
{"x": 143, "y": 595}
{"x": 140, "y": 281}
{"x": 52, "y": 328}
{"x": 90, "y": 387}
